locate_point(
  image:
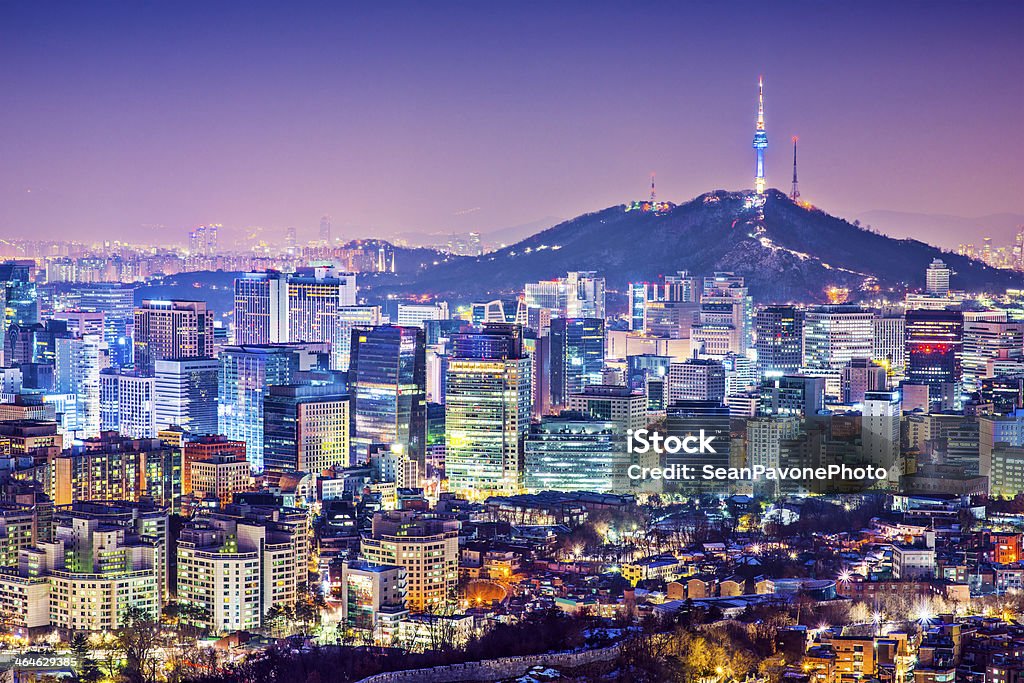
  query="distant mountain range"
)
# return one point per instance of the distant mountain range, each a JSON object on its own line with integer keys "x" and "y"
{"x": 945, "y": 230}
{"x": 786, "y": 251}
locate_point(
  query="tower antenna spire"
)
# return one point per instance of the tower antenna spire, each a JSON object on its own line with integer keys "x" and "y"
{"x": 760, "y": 140}
{"x": 654, "y": 195}
{"x": 794, "y": 194}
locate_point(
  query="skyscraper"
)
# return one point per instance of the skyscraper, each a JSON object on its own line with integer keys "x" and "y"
{"x": 20, "y": 298}
{"x": 186, "y": 394}
{"x": 577, "y": 356}
{"x": 387, "y": 385}
{"x": 581, "y": 294}
{"x": 760, "y": 140}
{"x": 934, "y": 345}
{"x": 171, "y": 329}
{"x": 833, "y": 336}
{"x": 305, "y": 428}
{"x": 575, "y": 452}
{"x": 779, "y": 339}
{"x": 937, "y": 278}
{"x": 696, "y": 379}
{"x": 244, "y": 374}
{"x": 314, "y": 301}
{"x": 325, "y": 230}
{"x": 77, "y": 371}
{"x": 261, "y": 308}
{"x": 725, "y": 319}
{"x": 487, "y": 410}
{"x": 127, "y": 404}
{"x": 986, "y": 341}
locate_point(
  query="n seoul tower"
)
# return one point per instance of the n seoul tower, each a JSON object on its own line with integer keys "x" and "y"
{"x": 760, "y": 139}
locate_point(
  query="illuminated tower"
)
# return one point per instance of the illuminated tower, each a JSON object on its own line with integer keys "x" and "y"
{"x": 760, "y": 139}
{"x": 654, "y": 195}
{"x": 794, "y": 194}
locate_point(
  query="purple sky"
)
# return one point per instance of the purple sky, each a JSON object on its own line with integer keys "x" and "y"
{"x": 481, "y": 115}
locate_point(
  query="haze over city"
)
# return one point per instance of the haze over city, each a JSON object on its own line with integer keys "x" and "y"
{"x": 118, "y": 118}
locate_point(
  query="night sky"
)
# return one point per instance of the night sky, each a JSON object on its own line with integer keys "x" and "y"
{"x": 116, "y": 117}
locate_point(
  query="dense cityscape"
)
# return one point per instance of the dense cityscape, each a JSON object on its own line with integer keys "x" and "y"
{"x": 741, "y": 438}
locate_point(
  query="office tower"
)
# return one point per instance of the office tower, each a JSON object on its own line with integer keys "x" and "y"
{"x": 204, "y": 448}
{"x": 880, "y": 430}
{"x": 1006, "y": 479}
{"x": 219, "y": 478}
{"x": 257, "y": 562}
{"x": 764, "y": 436}
{"x": 33, "y": 343}
{"x": 889, "y": 345}
{"x": 372, "y": 595}
{"x": 986, "y": 341}
{"x": 77, "y": 371}
{"x": 426, "y": 547}
{"x": 689, "y": 418}
{"x": 186, "y": 394}
{"x": 305, "y": 428}
{"x": 171, "y": 329}
{"x": 934, "y": 346}
{"x": 487, "y": 410}
{"x": 792, "y": 395}
{"x": 116, "y": 302}
{"x": 114, "y": 467}
{"x": 861, "y": 375}
{"x": 833, "y": 336}
{"x": 937, "y": 278}
{"x": 696, "y": 379}
{"x": 577, "y": 356}
{"x": 779, "y": 339}
{"x": 625, "y": 407}
{"x": 725, "y": 320}
{"x": 1005, "y": 393}
{"x": 416, "y": 315}
{"x": 128, "y": 404}
{"x": 498, "y": 311}
{"x": 19, "y": 295}
{"x": 349, "y": 318}
{"x": 325, "y": 230}
{"x": 665, "y": 309}
{"x": 244, "y": 374}
{"x": 578, "y": 295}
{"x": 576, "y": 452}
{"x": 760, "y": 140}
{"x": 80, "y": 323}
{"x": 388, "y": 389}
{"x": 314, "y": 301}
{"x": 994, "y": 430}
{"x": 261, "y": 308}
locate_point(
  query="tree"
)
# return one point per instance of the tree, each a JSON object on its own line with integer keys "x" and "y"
{"x": 88, "y": 671}
{"x": 139, "y": 640}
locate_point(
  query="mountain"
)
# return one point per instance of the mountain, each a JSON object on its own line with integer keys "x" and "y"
{"x": 945, "y": 230}
{"x": 786, "y": 251}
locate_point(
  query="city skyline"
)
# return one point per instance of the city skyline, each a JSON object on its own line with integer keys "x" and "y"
{"x": 125, "y": 120}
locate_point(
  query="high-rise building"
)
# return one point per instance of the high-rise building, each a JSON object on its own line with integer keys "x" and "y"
{"x": 665, "y": 309}
{"x": 204, "y": 448}
{"x": 833, "y": 336}
{"x": 305, "y": 428}
{"x": 415, "y": 315}
{"x": 171, "y": 329}
{"x": 427, "y": 547}
{"x": 937, "y": 278}
{"x": 625, "y": 407}
{"x": 487, "y": 410}
{"x": 245, "y": 373}
{"x": 349, "y": 318}
{"x": 696, "y": 379}
{"x": 577, "y": 356}
{"x": 114, "y": 467}
{"x": 725, "y": 320}
{"x": 792, "y": 395}
{"x": 116, "y": 301}
{"x": 325, "y": 230}
{"x": 576, "y": 452}
{"x": 372, "y": 594}
{"x": 261, "y": 308}
{"x": 314, "y": 301}
{"x": 779, "y": 339}
{"x": 889, "y": 345}
{"x": 388, "y": 389}
{"x": 186, "y": 394}
{"x": 880, "y": 430}
{"x": 860, "y": 376}
{"x": 986, "y": 341}
{"x": 219, "y": 478}
{"x": 690, "y": 418}
{"x": 934, "y": 347}
{"x": 128, "y": 404}
{"x": 19, "y": 296}
{"x": 578, "y": 295}
{"x": 77, "y": 371}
